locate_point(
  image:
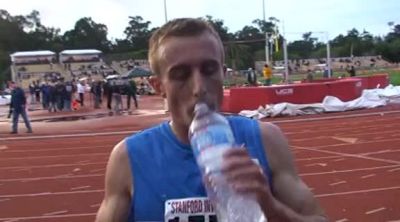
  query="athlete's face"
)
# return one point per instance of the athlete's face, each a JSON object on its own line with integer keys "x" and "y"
{"x": 191, "y": 71}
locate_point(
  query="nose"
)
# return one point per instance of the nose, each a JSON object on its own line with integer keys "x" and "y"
{"x": 199, "y": 85}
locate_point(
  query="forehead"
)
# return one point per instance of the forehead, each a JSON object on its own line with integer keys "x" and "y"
{"x": 189, "y": 50}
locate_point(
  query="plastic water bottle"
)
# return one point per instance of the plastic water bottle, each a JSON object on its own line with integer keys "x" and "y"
{"x": 210, "y": 137}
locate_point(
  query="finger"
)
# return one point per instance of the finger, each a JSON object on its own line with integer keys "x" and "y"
{"x": 232, "y": 163}
{"x": 243, "y": 174}
{"x": 238, "y": 151}
{"x": 250, "y": 187}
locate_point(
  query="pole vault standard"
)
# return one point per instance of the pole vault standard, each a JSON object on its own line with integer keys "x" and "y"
{"x": 285, "y": 53}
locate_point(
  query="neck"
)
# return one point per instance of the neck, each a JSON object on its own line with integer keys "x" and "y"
{"x": 180, "y": 131}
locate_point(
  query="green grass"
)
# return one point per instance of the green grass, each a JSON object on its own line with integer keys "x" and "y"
{"x": 395, "y": 77}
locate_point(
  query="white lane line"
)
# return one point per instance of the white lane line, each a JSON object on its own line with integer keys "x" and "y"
{"x": 340, "y": 159}
{"x": 392, "y": 170}
{"x": 96, "y": 171}
{"x": 380, "y": 152}
{"x": 357, "y": 192}
{"x": 375, "y": 210}
{"x": 351, "y": 155}
{"x": 367, "y": 176}
{"x": 316, "y": 158}
{"x": 5, "y": 199}
{"x": 50, "y": 193}
{"x": 334, "y": 117}
{"x": 393, "y": 221}
{"x": 342, "y": 220}
{"x": 70, "y": 135}
{"x": 80, "y": 188}
{"x": 47, "y": 217}
{"x": 95, "y": 205}
{"x": 348, "y": 171}
{"x": 62, "y": 148}
{"x": 3, "y": 147}
{"x": 337, "y": 183}
{"x": 51, "y": 165}
{"x": 316, "y": 164}
{"x": 66, "y": 176}
{"x": 83, "y": 162}
{"x": 56, "y": 213}
{"x": 317, "y": 148}
{"x": 56, "y": 156}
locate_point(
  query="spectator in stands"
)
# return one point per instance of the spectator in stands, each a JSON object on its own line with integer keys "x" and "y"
{"x": 18, "y": 107}
{"x": 81, "y": 92}
{"x": 267, "y": 73}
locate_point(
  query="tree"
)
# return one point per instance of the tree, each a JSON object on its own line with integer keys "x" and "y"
{"x": 221, "y": 29}
{"x": 87, "y": 34}
{"x": 138, "y": 33}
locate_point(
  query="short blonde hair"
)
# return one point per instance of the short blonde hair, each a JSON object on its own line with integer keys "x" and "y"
{"x": 182, "y": 27}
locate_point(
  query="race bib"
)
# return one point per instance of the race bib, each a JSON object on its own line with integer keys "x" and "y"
{"x": 197, "y": 209}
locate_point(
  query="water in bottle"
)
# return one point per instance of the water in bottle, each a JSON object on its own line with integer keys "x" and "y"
{"x": 210, "y": 137}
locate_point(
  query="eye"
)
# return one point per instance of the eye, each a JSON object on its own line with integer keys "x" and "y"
{"x": 209, "y": 68}
{"x": 180, "y": 73}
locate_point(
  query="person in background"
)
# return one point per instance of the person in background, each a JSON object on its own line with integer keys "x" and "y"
{"x": 251, "y": 77}
{"x": 81, "y": 92}
{"x": 267, "y": 73}
{"x": 131, "y": 92}
{"x": 18, "y": 107}
{"x": 352, "y": 71}
{"x": 68, "y": 96}
{"x": 32, "y": 93}
{"x": 52, "y": 97}
{"x": 37, "y": 92}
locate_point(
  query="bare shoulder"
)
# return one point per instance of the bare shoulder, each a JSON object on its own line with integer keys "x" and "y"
{"x": 276, "y": 147}
{"x": 288, "y": 186}
{"x": 118, "y": 166}
{"x": 118, "y": 187}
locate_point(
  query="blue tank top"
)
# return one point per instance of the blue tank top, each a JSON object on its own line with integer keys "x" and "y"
{"x": 165, "y": 169}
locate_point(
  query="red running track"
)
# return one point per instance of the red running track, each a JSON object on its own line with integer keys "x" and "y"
{"x": 351, "y": 164}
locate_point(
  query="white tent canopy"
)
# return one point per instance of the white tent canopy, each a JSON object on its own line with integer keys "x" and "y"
{"x": 22, "y": 54}
{"x": 80, "y": 52}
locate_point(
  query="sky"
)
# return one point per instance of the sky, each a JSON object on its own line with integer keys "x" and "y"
{"x": 331, "y": 16}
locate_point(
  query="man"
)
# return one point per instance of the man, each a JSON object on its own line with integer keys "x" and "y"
{"x": 81, "y": 91}
{"x": 251, "y": 77}
{"x": 154, "y": 172}
{"x": 131, "y": 92}
{"x": 267, "y": 72}
{"x": 352, "y": 71}
{"x": 18, "y": 107}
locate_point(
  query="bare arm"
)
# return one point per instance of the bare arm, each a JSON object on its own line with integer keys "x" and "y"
{"x": 118, "y": 187}
{"x": 292, "y": 200}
